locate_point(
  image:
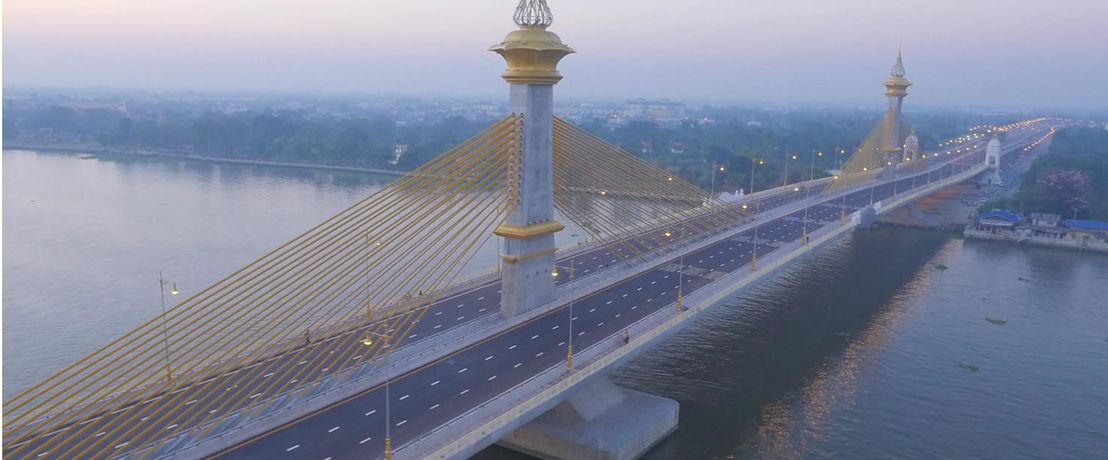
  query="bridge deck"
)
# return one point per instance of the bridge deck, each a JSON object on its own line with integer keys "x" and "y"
{"x": 439, "y": 392}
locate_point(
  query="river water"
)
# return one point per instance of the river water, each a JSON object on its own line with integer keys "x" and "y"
{"x": 887, "y": 344}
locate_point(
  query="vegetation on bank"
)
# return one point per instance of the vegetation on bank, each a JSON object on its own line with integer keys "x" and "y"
{"x": 695, "y": 148}
{"x": 1072, "y": 180}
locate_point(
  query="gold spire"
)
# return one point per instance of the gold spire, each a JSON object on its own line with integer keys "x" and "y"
{"x": 532, "y": 52}
{"x": 897, "y": 85}
{"x": 898, "y": 67}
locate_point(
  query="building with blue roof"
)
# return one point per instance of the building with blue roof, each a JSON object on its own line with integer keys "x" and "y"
{"x": 1041, "y": 229}
{"x": 1086, "y": 231}
{"x": 998, "y": 219}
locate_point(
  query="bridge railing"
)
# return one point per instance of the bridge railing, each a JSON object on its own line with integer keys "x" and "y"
{"x": 410, "y": 356}
{"x": 510, "y": 409}
{"x": 359, "y": 377}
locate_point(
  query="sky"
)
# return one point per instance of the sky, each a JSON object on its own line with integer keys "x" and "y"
{"x": 970, "y": 53}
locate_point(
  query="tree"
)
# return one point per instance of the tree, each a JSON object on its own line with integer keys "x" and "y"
{"x": 1069, "y": 188}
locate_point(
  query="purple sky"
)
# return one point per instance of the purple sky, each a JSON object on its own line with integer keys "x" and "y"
{"x": 1008, "y": 53}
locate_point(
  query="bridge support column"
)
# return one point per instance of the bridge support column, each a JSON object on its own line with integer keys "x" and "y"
{"x": 532, "y": 54}
{"x": 598, "y": 422}
{"x": 529, "y": 231}
{"x": 865, "y": 217}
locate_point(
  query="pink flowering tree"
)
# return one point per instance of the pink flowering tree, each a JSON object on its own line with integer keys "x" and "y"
{"x": 1069, "y": 187}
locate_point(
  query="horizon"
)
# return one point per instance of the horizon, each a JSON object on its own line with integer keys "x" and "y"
{"x": 755, "y": 53}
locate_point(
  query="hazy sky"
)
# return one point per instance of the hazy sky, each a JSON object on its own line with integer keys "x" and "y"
{"x": 1009, "y": 53}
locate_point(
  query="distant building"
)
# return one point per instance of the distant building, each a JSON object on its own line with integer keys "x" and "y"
{"x": 646, "y": 147}
{"x": 1086, "y": 231}
{"x": 998, "y": 219}
{"x": 662, "y": 111}
{"x": 1039, "y": 219}
{"x": 1042, "y": 229}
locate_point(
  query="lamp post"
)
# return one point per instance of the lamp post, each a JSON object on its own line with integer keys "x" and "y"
{"x": 569, "y": 344}
{"x": 787, "y": 157}
{"x": 807, "y": 192}
{"x": 896, "y": 176}
{"x": 714, "y": 168}
{"x": 679, "y": 306}
{"x": 368, "y": 341}
{"x": 162, "y": 282}
{"x": 842, "y": 209}
{"x": 754, "y": 253}
{"x": 872, "y": 184}
{"x": 913, "y": 172}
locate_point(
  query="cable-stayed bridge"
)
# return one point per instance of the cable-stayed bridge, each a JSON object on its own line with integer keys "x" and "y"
{"x": 362, "y": 339}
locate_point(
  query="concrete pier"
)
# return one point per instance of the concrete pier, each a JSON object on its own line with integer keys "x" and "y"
{"x": 599, "y": 422}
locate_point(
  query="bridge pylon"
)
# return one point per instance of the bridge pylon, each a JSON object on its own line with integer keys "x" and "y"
{"x": 896, "y": 89}
{"x": 992, "y": 160}
{"x": 532, "y": 54}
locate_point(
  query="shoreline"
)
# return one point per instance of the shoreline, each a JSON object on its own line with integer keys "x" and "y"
{"x": 91, "y": 150}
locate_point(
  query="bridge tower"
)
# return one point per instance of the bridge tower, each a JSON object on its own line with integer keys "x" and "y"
{"x": 896, "y": 88}
{"x": 532, "y": 54}
{"x": 992, "y": 160}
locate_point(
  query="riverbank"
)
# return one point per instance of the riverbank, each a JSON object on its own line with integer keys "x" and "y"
{"x": 99, "y": 150}
{"x": 1072, "y": 244}
{"x": 953, "y": 208}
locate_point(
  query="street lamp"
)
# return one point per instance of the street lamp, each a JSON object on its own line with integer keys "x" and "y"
{"x": 721, "y": 169}
{"x": 807, "y": 194}
{"x": 842, "y": 210}
{"x": 572, "y": 271}
{"x": 368, "y": 341}
{"x": 162, "y": 282}
{"x": 680, "y": 305}
{"x": 787, "y": 157}
{"x": 754, "y": 253}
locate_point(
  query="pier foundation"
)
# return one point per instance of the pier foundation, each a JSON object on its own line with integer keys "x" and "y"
{"x": 599, "y": 422}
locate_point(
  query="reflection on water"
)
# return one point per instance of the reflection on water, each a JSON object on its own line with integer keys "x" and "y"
{"x": 85, "y": 238}
{"x": 862, "y": 351}
{"x": 859, "y": 352}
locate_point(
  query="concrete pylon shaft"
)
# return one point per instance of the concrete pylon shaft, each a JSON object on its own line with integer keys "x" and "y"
{"x": 528, "y": 232}
{"x": 532, "y": 54}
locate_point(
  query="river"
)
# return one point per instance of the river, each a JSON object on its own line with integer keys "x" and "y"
{"x": 886, "y": 344}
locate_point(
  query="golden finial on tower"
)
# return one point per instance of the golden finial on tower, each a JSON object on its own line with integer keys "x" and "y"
{"x": 533, "y": 14}
{"x": 532, "y": 52}
{"x": 897, "y": 85}
{"x": 898, "y": 67}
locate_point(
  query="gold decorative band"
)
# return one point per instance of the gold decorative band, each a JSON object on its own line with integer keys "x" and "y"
{"x": 530, "y": 231}
{"x": 533, "y": 255}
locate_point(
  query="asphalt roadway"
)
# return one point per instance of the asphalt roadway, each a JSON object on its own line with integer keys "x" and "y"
{"x": 438, "y": 392}
{"x": 428, "y": 397}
